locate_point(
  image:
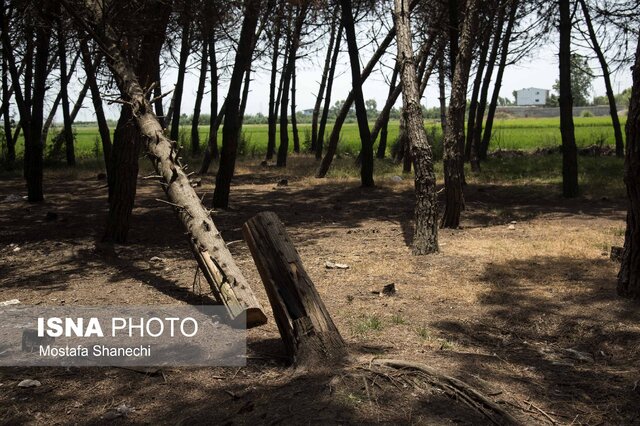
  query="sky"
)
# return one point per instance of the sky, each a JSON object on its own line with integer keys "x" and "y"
{"x": 539, "y": 70}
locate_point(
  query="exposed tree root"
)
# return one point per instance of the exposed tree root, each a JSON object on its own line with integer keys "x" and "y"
{"x": 454, "y": 388}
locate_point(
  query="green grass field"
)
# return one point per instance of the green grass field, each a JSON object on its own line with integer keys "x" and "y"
{"x": 510, "y": 134}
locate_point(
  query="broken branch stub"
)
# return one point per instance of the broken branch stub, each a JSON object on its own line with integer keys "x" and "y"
{"x": 310, "y": 336}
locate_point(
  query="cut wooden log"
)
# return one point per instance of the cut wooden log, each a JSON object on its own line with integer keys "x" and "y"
{"x": 310, "y": 336}
{"x": 227, "y": 283}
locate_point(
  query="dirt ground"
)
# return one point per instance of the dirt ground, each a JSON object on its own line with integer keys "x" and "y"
{"x": 527, "y": 313}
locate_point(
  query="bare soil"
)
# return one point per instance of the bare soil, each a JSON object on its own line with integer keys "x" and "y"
{"x": 528, "y": 316}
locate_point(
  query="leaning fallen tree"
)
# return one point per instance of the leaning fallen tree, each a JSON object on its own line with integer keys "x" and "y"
{"x": 227, "y": 283}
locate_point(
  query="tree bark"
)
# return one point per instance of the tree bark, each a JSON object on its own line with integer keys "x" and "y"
{"x": 96, "y": 98}
{"x": 323, "y": 81}
{"x": 569, "y": 149}
{"x": 327, "y": 98}
{"x": 216, "y": 119}
{"x": 54, "y": 107}
{"x": 310, "y": 337}
{"x": 157, "y": 93}
{"x": 216, "y": 263}
{"x": 476, "y": 131}
{"x": 391, "y": 99}
{"x": 68, "y": 132}
{"x": 195, "y": 135}
{"x": 453, "y": 141}
{"x": 613, "y": 110}
{"x": 127, "y": 142}
{"x": 441, "y": 88}
{"x": 287, "y": 74}
{"x": 506, "y": 39}
{"x": 273, "y": 105}
{"x": 366, "y": 170}
{"x": 629, "y": 275}
{"x": 6, "y": 97}
{"x": 425, "y": 239}
{"x": 33, "y": 156}
{"x": 294, "y": 119}
{"x": 232, "y": 119}
{"x": 185, "y": 50}
{"x": 475, "y": 95}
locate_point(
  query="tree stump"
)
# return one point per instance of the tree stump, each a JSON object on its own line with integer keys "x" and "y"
{"x": 309, "y": 334}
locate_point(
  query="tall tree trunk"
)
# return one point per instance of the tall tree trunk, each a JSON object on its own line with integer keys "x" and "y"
{"x": 475, "y": 94}
{"x": 185, "y": 50}
{"x": 216, "y": 119}
{"x": 157, "y": 93}
{"x": 68, "y": 132}
{"x": 327, "y": 98}
{"x": 21, "y": 97}
{"x": 425, "y": 238}
{"x": 629, "y": 275}
{"x": 453, "y": 7}
{"x": 442, "y": 95}
{"x": 195, "y": 135}
{"x": 366, "y": 170}
{"x": 476, "y": 131}
{"x": 453, "y": 141}
{"x": 245, "y": 95}
{"x": 33, "y": 144}
{"x": 123, "y": 170}
{"x": 569, "y": 149}
{"x": 232, "y": 119}
{"x": 6, "y": 97}
{"x": 332, "y": 146}
{"x": 54, "y": 107}
{"x": 323, "y": 82}
{"x": 96, "y": 98}
{"x": 613, "y": 110}
{"x": 504, "y": 54}
{"x": 273, "y": 107}
{"x": 294, "y": 43}
{"x": 294, "y": 119}
{"x": 382, "y": 146}
{"x": 383, "y": 117}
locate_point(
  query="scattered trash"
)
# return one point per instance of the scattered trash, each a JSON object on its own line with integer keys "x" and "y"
{"x": 28, "y": 383}
{"x": 332, "y": 265}
{"x": 512, "y": 227}
{"x": 16, "y": 249}
{"x": 396, "y": 178}
{"x": 10, "y": 302}
{"x": 12, "y": 198}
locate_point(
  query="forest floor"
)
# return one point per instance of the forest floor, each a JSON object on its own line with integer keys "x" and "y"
{"x": 520, "y": 303}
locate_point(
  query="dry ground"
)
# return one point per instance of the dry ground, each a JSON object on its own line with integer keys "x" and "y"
{"x": 503, "y": 309}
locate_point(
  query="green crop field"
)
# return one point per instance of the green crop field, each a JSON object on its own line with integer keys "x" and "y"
{"x": 510, "y": 134}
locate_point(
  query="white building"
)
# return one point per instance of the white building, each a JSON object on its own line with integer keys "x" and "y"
{"x": 531, "y": 96}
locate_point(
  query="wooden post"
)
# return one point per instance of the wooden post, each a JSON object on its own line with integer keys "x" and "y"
{"x": 309, "y": 334}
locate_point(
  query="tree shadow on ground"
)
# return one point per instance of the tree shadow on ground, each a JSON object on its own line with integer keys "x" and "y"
{"x": 572, "y": 346}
